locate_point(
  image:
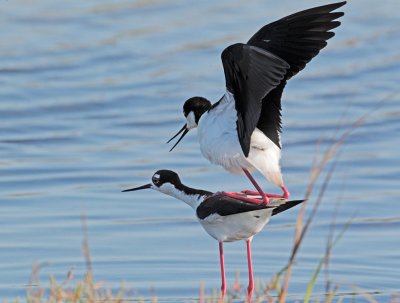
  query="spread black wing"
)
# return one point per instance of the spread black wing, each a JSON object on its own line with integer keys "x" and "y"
{"x": 250, "y": 74}
{"x": 296, "y": 39}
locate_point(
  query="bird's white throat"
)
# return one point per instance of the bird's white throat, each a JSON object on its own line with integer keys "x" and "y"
{"x": 191, "y": 200}
{"x": 191, "y": 121}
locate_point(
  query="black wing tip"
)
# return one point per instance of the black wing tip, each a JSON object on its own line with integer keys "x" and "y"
{"x": 322, "y": 10}
{"x": 339, "y": 4}
{"x": 330, "y": 7}
{"x": 336, "y": 15}
{"x": 327, "y": 9}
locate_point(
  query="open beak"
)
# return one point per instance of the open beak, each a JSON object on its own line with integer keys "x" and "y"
{"x": 139, "y": 188}
{"x": 184, "y": 130}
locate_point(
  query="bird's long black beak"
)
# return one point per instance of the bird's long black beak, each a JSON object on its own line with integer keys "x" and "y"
{"x": 184, "y": 130}
{"x": 138, "y": 188}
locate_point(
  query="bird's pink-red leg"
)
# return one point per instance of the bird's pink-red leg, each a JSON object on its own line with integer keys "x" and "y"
{"x": 285, "y": 194}
{"x": 222, "y": 262}
{"x": 239, "y": 195}
{"x": 260, "y": 191}
{"x": 265, "y": 196}
{"x": 250, "y": 287}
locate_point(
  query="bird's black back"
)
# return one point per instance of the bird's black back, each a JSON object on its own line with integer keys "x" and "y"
{"x": 224, "y": 206}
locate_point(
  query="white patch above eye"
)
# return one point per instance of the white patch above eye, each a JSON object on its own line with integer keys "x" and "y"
{"x": 157, "y": 176}
{"x": 191, "y": 121}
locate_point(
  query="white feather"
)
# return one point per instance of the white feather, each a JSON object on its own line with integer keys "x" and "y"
{"x": 240, "y": 226}
{"x": 264, "y": 155}
{"x": 191, "y": 121}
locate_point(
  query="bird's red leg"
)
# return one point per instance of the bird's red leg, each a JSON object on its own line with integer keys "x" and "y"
{"x": 221, "y": 260}
{"x": 285, "y": 194}
{"x": 250, "y": 287}
{"x": 260, "y": 191}
{"x": 241, "y": 196}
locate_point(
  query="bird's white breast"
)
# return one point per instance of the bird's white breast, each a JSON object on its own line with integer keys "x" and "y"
{"x": 218, "y": 137}
{"x": 236, "y": 227}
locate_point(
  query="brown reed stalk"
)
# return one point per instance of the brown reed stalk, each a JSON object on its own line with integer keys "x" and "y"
{"x": 318, "y": 166}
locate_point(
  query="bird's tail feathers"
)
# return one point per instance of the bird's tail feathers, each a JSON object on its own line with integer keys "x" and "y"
{"x": 285, "y": 206}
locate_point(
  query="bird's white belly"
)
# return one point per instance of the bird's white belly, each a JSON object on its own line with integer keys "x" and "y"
{"x": 236, "y": 227}
{"x": 265, "y": 156}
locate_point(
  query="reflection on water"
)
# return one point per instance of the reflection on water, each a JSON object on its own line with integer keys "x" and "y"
{"x": 90, "y": 91}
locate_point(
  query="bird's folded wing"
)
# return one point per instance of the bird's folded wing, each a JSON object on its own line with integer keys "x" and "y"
{"x": 224, "y": 206}
{"x": 250, "y": 74}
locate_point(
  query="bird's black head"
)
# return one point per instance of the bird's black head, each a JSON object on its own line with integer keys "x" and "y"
{"x": 164, "y": 176}
{"x": 163, "y": 180}
{"x": 198, "y": 106}
{"x": 193, "y": 109}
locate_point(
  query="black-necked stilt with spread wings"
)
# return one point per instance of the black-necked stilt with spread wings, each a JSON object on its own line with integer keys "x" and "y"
{"x": 224, "y": 218}
{"x": 241, "y": 132}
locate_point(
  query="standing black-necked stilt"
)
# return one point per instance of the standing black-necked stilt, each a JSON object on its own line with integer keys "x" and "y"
{"x": 224, "y": 218}
{"x": 241, "y": 132}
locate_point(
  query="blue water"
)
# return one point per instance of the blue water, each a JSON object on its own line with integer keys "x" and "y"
{"x": 91, "y": 90}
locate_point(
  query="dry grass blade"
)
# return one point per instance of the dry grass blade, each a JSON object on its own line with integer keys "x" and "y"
{"x": 318, "y": 167}
{"x": 365, "y": 294}
{"x": 85, "y": 244}
{"x": 323, "y": 261}
{"x": 301, "y": 231}
{"x": 331, "y": 295}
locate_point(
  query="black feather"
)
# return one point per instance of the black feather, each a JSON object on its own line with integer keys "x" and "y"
{"x": 250, "y": 74}
{"x": 285, "y": 206}
{"x": 224, "y": 206}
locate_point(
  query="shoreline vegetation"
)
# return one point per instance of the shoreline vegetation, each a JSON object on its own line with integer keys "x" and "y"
{"x": 275, "y": 291}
